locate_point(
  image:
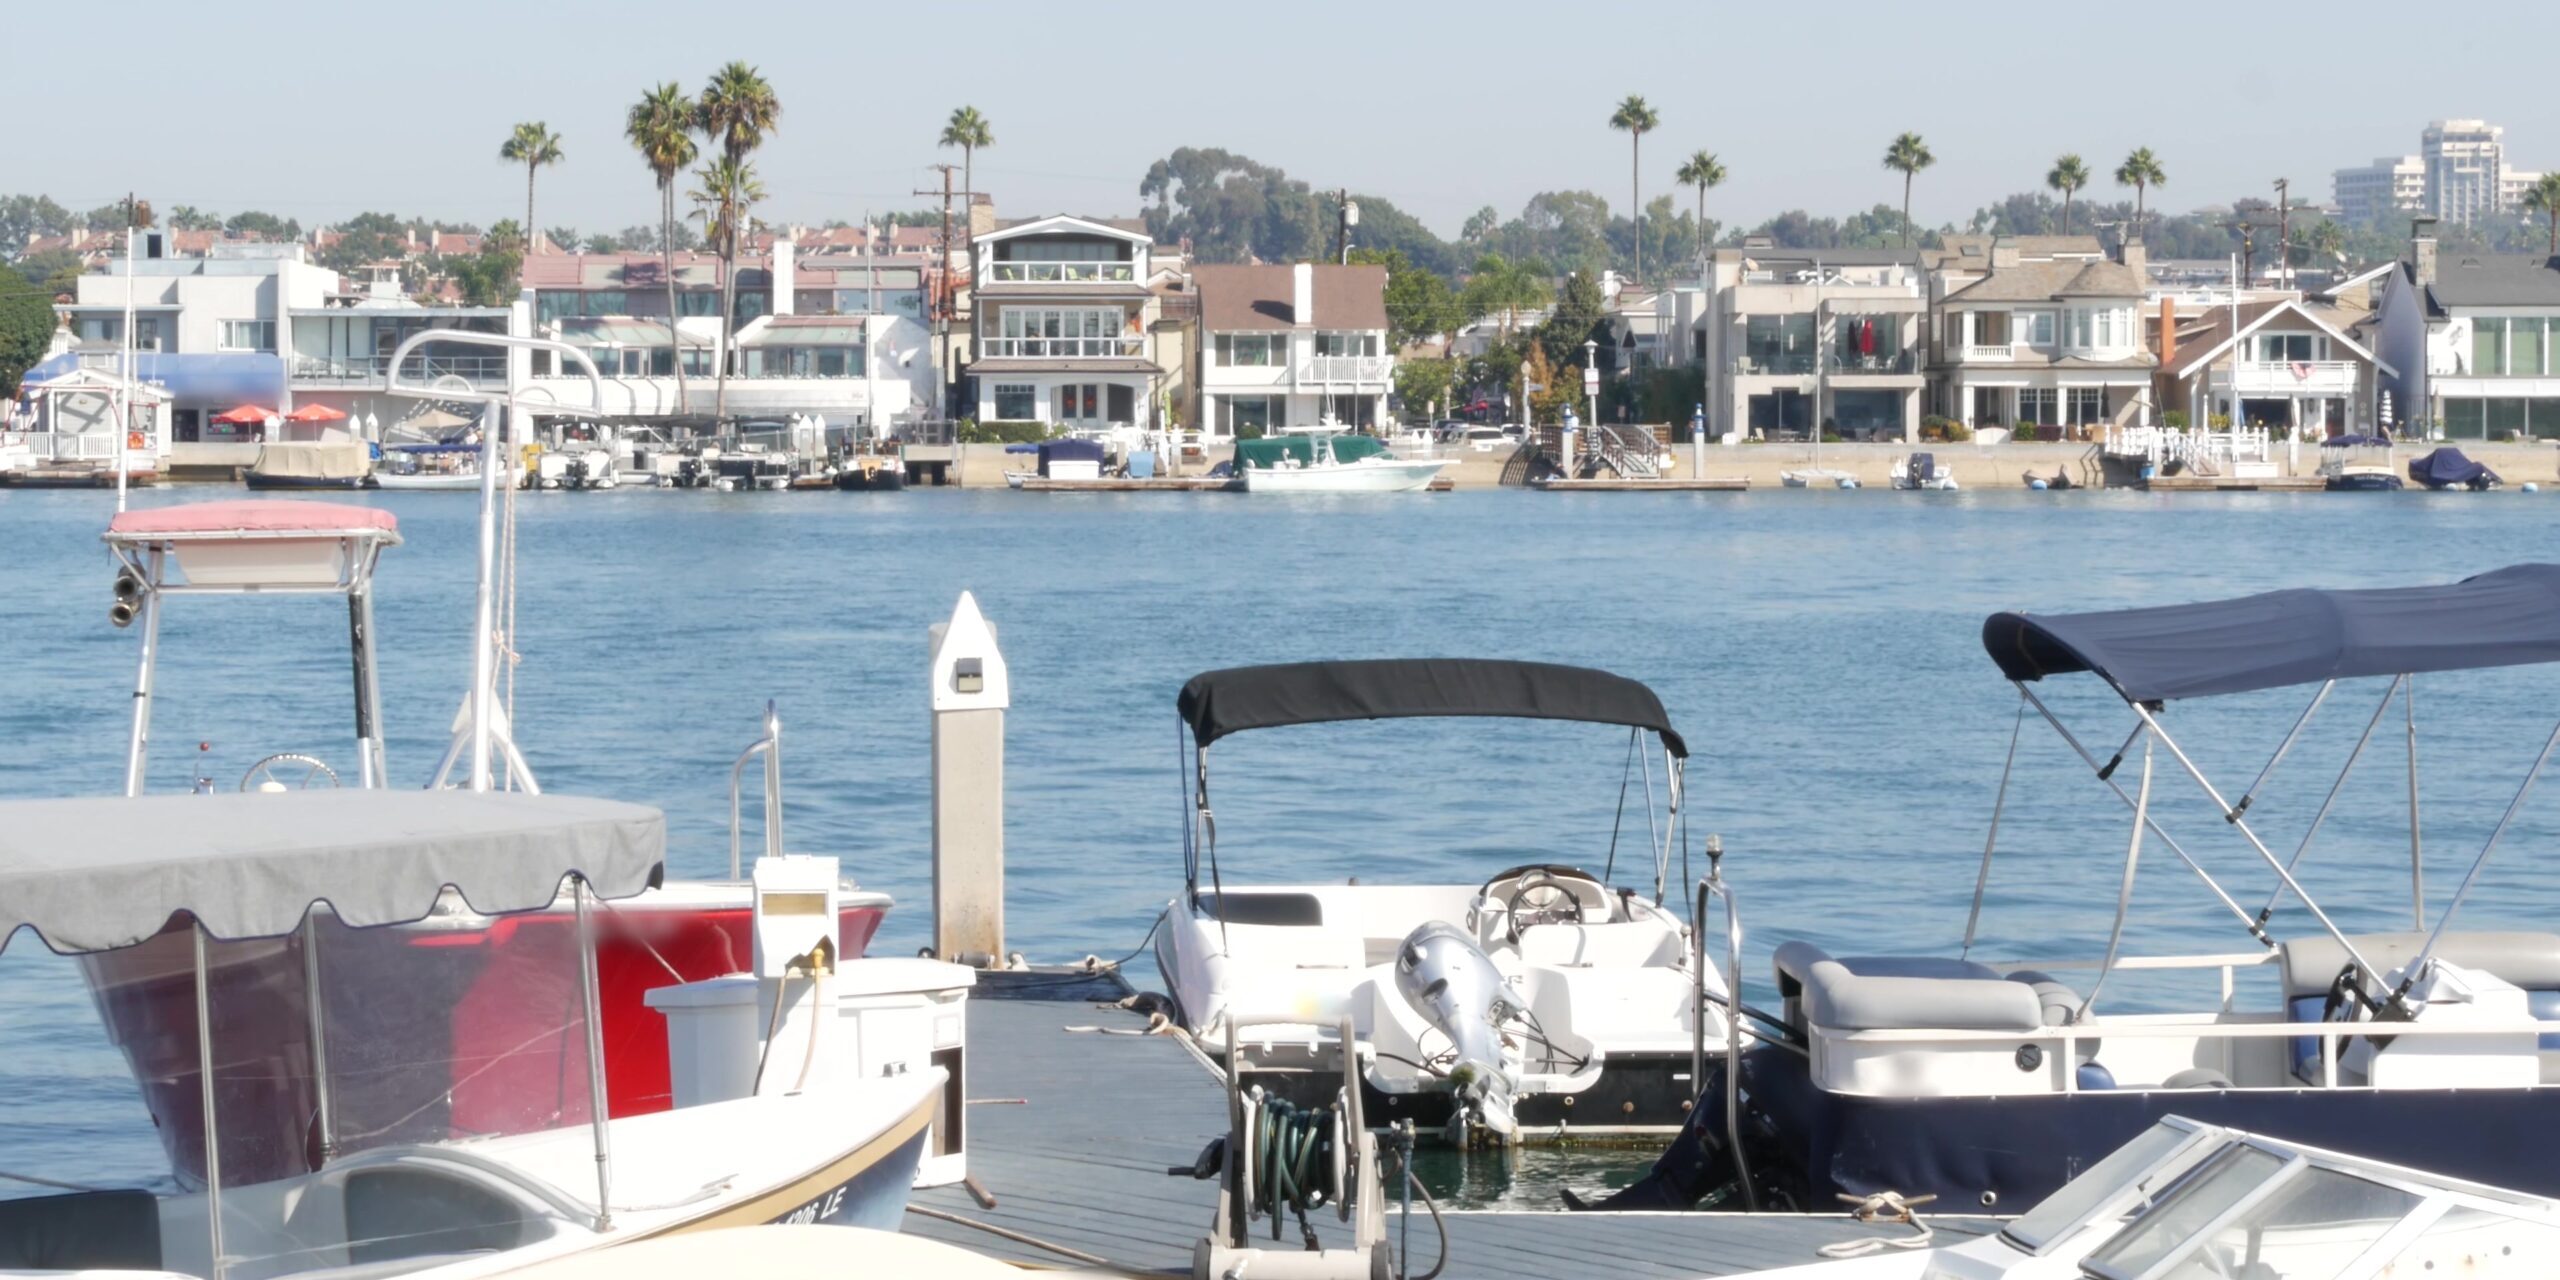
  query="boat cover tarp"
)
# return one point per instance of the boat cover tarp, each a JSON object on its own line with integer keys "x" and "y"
{"x": 98, "y": 872}
{"x": 1218, "y": 703}
{"x": 2503, "y": 618}
{"x": 332, "y": 460}
{"x": 2448, "y": 468}
{"x": 1069, "y": 449}
{"x": 1269, "y": 450}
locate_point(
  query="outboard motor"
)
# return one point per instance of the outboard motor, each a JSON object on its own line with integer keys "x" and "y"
{"x": 1454, "y": 986}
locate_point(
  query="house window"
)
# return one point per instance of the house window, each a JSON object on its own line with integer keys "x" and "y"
{"x": 2039, "y": 329}
{"x": 2036, "y": 406}
{"x": 608, "y": 302}
{"x": 1346, "y": 344}
{"x": 2525, "y": 346}
{"x": 1252, "y": 350}
{"x": 1060, "y": 331}
{"x": 702, "y": 302}
{"x": 1250, "y": 414}
{"x": 1014, "y": 402}
{"x": 1991, "y": 328}
{"x": 804, "y": 362}
{"x": 248, "y": 335}
{"x": 697, "y": 362}
{"x": 2087, "y": 405}
{"x": 2288, "y": 348}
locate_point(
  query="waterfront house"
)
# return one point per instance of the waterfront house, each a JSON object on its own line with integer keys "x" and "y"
{"x": 1292, "y": 346}
{"x": 338, "y": 350}
{"x": 1792, "y": 338}
{"x": 2040, "y": 331}
{"x": 1063, "y": 318}
{"x": 205, "y": 330}
{"x": 2470, "y": 342}
{"x": 2295, "y": 362}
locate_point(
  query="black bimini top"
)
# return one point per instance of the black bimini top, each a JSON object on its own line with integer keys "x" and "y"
{"x": 1218, "y": 703}
{"x": 2507, "y": 617}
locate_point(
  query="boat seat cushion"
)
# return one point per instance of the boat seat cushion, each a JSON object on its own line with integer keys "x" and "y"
{"x": 81, "y": 1231}
{"x": 1878, "y": 993}
{"x": 2527, "y": 960}
{"x": 1289, "y": 910}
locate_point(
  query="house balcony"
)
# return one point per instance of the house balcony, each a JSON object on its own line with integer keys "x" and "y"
{"x": 1326, "y": 370}
{"x": 1037, "y": 272}
{"x": 1119, "y": 346}
{"x": 375, "y": 371}
{"x": 1805, "y": 364}
{"x": 2296, "y": 378}
{"x": 1977, "y": 353}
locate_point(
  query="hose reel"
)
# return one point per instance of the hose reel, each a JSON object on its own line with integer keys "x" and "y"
{"x": 1279, "y": 1162}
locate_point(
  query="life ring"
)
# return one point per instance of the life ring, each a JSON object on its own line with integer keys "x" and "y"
{"x": 133, "y": 440}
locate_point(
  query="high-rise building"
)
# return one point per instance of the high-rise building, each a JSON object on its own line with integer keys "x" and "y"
{"x": 2466, "y": 162}
{"x": 2388, "y": 187}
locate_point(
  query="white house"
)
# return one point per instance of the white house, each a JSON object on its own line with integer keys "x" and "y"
{"x": 2471, "y": 340}
{"x": 2041, "y": 330}
{"x": 1064, "y": 319}
{"x": 205, "y": 330}
{"x": 1292, "y": 346}
{"x": 1795, "y": 337}
{"x": 2294, "y": 363}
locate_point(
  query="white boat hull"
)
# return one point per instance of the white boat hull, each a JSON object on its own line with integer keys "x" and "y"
{"x": 455, "y": 483}
{"x": 1817, "y": 478}
{"x": 1369, "y": 475}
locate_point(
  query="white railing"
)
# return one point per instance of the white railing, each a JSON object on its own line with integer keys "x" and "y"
{"x": 2305, "y": 374}
{"x": 1063, "y": 348}
{"x": 1975, "y": 351}
{"x": 2206, "y": 450}
{"x": 1064, "y": 272}
{"x": 1343, "y": 369}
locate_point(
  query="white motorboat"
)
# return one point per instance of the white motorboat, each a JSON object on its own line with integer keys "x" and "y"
{"x": 446, "y": 468}
{"x": 415, "y": 1168}
{"x": 1315, "y": 463}
{"x": 2185, "y": 1200}
{"x": 1817, "y": 478}
{"x": 2404, "y": 1046}
{"x": 1922, "y": 471}
{"x": 1492, "y": 1007}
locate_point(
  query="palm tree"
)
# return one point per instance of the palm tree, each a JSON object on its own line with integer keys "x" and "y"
{"x": 2067, "y": 176}
{"x": 1702, "y": 170}
{"x": 661, "y": 130}
{"x": 1635, "y": 117}
{"x": 532, "y": 145}
{"x": 2543, "y": 197}
{"x": 728, "y": 190}
{"x": 1908, "y": 155}
{"x": 736, "y": 110}
{"x": 968, "y": 131}
{"x": 2140, "y": 171}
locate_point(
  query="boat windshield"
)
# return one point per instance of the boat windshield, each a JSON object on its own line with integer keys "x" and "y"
{"x": 2141, "y": 1165}
{"x": 2253, "y": 1211}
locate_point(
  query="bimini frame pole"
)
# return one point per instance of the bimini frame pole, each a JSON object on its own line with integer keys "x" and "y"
{"x": 315, "y": 1026}
{"x": 137, "y": 756}
{"x": 596, "y": 1098}
{"x": 2336, "y": 787}
{"x": 484, "y": 657}
{"x": 2463, "y": 891}
{"x": 212, "y": 1127}
{"x": 2241, "y": 825}
{"x": 370, "y": 769}
{"x": 2417, "y": 848}
{"x": 1999, "y": 803}
{"x": 2124, "y": 889}
{"x": 2300, "y": 722}
{"x": 2104, "y": 775}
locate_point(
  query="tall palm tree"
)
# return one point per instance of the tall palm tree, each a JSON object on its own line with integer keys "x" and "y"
{"x": 1907, "y": 155}
{"x": 736, "y": 111}
{"x": 725, "y": 193}
{"x": 968, "y": 131}
{"x": 2140, "y": 171}
{"x": 532, "y": 145}
{"x": 1702, "y": 170}
{"x": 660, "y": 128}
{"x": 1635, "y": 117}
{"x": 2067, "y": 176}
{"x": 2543, "y": 197}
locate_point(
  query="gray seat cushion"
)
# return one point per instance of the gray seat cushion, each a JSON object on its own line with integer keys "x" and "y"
{"x": 2527, "y": 960}
{"x": 1878, "y": 993}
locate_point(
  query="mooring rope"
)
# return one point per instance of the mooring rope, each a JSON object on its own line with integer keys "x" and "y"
{"x": 1885, "y": 1207}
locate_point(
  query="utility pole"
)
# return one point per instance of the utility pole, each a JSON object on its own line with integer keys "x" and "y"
{"x": 950, "y": 376}
{"x": 2284, "y": 231}
{"x": 2248, "y": 246}
{"x": 1347, "y": 216}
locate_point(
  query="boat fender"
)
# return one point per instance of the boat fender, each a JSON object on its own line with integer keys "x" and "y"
{"x": 2092, "y": 1076}
{"x": 2037, "y": 485}
{"x": 2531, "y": 487}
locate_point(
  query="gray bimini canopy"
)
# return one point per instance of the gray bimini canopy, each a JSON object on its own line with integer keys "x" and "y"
{"x": 2507, "y": 617}
{"x": 96, "y": 873}
{"x": 1218, "y": 703}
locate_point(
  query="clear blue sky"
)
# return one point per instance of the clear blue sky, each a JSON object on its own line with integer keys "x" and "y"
{"x": 319, "y": 111}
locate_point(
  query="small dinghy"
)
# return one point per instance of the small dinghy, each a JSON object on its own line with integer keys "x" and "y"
{"x": 2449, "y": 468}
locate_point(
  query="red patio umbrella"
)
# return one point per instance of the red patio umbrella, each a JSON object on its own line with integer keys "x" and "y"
{"x": 315, "y": 413}
{"x": 246, "y": 415}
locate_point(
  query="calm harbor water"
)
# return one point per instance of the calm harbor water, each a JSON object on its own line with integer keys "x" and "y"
{"x": 1819, "y": 650}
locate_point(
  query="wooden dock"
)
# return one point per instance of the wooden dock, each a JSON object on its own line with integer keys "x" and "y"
{"x": 1666, "y": 484}
{"x": 1127, "y": 484}
{"x": 1071, "y": 1130}
{"x": 2191, "y": 483}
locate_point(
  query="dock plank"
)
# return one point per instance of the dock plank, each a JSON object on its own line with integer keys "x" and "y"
{"x": 1080, "y": 1162}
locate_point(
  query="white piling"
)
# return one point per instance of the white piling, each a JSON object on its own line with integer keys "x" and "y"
{"x": 970, "y": 694}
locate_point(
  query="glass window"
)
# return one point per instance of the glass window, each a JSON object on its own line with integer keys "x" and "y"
{"x": 608, "y": 302}
{"x": 1014, "y": 401}
{"x": 554, "y": 304}
{"x": 2182, "y": 1215}
{"x": 2525, "y": 346}
{"x": 2542, "y": 417}
{"x": 697, "y": 362}
{"x": 2463, "y": 419}
{"x": 700, "y": 302}
{"x": 2506, "y": 416}
{"x": 2063, "y": 1211}
{"x": 2488, "y": 346}
{"x": 2036, "y": 406}
{"x": 751, "y": 304}
{"x": 2307, "y": 1226}
{"x": 2088, "y": 405}
{"x": 247, "y": 335}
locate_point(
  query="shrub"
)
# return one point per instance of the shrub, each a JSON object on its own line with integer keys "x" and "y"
{"x": 2175, "y": 419}
{"x": 972, "y": 431}
{"x": 1957, "y": 432}
{"x": 2219, "y": 422}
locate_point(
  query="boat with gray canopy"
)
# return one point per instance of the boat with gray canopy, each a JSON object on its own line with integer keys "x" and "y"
{"x": 1991, "y": 1082}
{"x": 1540, "y": 1003}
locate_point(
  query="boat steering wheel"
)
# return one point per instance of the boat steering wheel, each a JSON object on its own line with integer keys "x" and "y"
{"x": 1540, "y": 898}
{"x": 270, "y": 774}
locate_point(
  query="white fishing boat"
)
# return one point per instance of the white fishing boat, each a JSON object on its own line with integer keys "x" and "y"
{"x": 414, "y": 1167}
{"x": 1318, "y": 463}
{"x": 1492, "y": 1007}
{"x": 1922, "y": 471}
{"x": 1989, "y": 1079}
{"x": 2190, "y": 1201}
